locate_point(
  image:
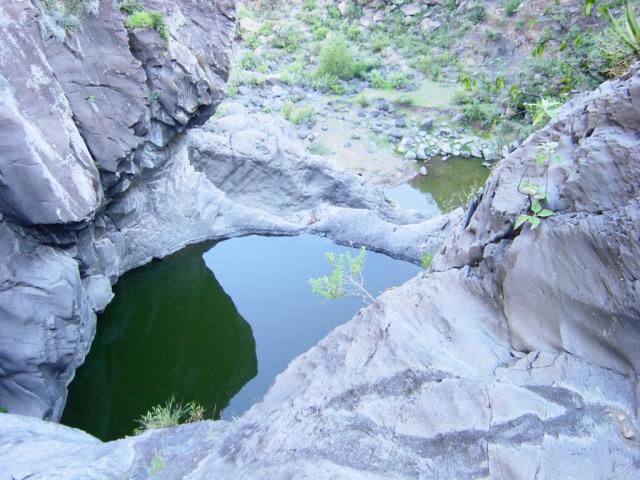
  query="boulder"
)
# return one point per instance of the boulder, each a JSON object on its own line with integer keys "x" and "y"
{"x": 411, "y": 9}
{"x": 427, "y": 25}
{"x": 249, "y": 25}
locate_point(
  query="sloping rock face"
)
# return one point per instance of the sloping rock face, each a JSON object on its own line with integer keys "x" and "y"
{"x": 514, "y": 357}
{"x": 81, "y": 121}
{"x": 104, "y": 166}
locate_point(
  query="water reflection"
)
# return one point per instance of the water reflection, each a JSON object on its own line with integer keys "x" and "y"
{"x": 171, "y": 330}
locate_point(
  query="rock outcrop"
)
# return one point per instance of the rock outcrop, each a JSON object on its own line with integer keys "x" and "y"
{"x": 514, "y": 357}
{"x": 104, "y": 168}
{"x": 83, "y": 119}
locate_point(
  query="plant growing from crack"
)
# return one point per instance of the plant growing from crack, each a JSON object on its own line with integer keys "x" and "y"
{"x": 426, "y": 260}
{"x": 537, "y": 193}
{"x": 345, "y": 278}
{"x": 547, "y": 154}
{"x": 157, "y": 464}
{"x": 170, "y": 414}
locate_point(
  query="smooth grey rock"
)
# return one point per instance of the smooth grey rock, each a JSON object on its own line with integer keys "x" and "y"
{"x": 76, "y": 122}
{"x": 46, "y": 172}
{"x": 597, "y": 219}
{"x": 427, "y": 25}
{"x": 489, "y": 154}
{"x": 423, "y": 171}
{"x": 404, "y": 145}
{"x": 98, "y": 288}
{"x": 396, "y": 133}
{"x": 382, "y": 104}
{"x": 46, "y": 326}
{"x": 426, "y": 123}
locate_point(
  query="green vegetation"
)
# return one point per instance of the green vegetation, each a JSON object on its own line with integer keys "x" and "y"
{"x": 426, "y": 260}
{"x": 319, "y": 148}
{"x": 170, "y": 414}
{"x": 148, "y": 20}
{"x": 345, "y": 278}
{"x": 63, "y": 17}
{"x": 286, "y": 37}
{"x": 316, "y": 46}
{"x": 477, "y": 13}
{"x": 3, "y": 410}
{"x": 361, "y": 100}
{"x": 298, "y": 114}
{"x": 157, "y": 464}
{"x": 380, "y": 41}
{"x": 131, "y": 6}
{"x": 542, "y": 111}
{"x": 511, "y": 7}
{"x": 478, "y": 110}
{"x": 536, "y": 196}
{"x": 537, "y": 193}
{"x": 547, "y": 154}
{"x": 620, "y": 42}
{"x": 336, "y": 62}
{"x": 376, "y": 80}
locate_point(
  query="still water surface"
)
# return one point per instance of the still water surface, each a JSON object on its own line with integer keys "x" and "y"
{"x": 212, "y": 324}
{"x": 446, "y": 187}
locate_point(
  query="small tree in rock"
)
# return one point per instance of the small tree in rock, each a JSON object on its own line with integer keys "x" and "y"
{"x": 345, "y": 278}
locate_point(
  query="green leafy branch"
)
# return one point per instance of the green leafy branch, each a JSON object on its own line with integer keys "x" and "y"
{"x": 345, "y": 278}
{"x": 543, "y": 110}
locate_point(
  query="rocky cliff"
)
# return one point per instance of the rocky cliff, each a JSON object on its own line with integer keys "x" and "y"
{"x": 104, "y": 166}
{"x": 515, "y": 356}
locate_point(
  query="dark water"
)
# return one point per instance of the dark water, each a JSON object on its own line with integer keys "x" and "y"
{"x": 211, "y": 324}
{"x": 446, "y": 187}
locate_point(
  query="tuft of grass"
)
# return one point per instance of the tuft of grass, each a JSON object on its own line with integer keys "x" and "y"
{"x": 249, "y": 60}
{"x": 477, "y": 13}
{"x": 148, "y": 20}
{"x": 354, "y": 32}
{"x": 131, "y": 6}
{"x": 377, "y": 80}
{"x": 309, "y": 5}
{"x": 380, "y": 41}
{"x": 511, "y": 7}
{"x": 406, "y": 100}
{"x": 63, "y": 17}
{"x": 300, "y": 114}
{"x": 362, "y": 100}
{"x": 286, "y": 37}
{"x": 426, "y": 260}
{"x": 399, "y": 79}
{"x": 157, "y": 464}
{"x": 319, "y": 148}
{"x": 170, "y": 414}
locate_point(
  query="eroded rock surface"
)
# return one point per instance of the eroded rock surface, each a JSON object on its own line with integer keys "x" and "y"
{"x": 104, "y": 168}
